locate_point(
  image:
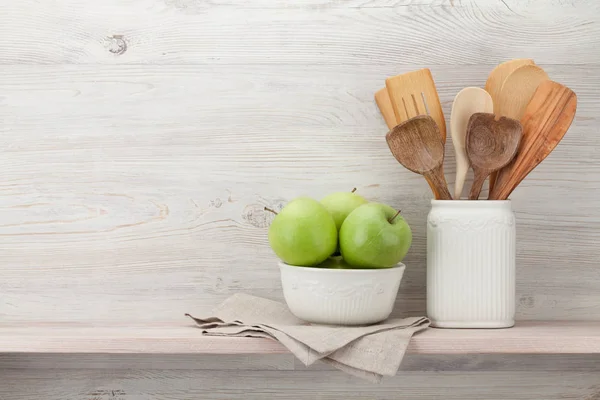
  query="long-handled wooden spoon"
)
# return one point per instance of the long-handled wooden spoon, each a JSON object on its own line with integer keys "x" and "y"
{"x": 516, "y": 92}
{"x": 417, "y": 145}
{"x": 491, "y": 144}
{"x": 547, "y": 118}
{"x": 467, "y": 102}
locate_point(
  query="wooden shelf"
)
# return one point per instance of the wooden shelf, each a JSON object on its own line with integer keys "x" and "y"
{"x": 536, "y": 337}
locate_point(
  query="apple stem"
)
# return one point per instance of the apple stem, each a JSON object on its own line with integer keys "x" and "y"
{"x": 394, "y": 217}
{"x": 270, "y": 210}
{"x": 353, "y": 190}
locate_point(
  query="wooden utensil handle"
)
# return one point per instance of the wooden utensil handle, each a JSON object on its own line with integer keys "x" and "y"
{"x": 433, "y": 188}
{"x": 438, "y": 180}
{"x": 478, "y": 180}
{"x": 492, "y": 183}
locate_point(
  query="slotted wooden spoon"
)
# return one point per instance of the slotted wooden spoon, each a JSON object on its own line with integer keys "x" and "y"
{"x": 414, "y": 93}
{"x": 547, "y": 118}
{"x": 417, "y": 145}
{"x": 491, "y": 144}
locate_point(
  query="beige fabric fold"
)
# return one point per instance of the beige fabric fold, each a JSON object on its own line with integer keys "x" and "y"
{"x": 369, "y": 352}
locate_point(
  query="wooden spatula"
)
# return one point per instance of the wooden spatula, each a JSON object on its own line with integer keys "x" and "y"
{"x": 491, "y": 144}
{"x": 467, "y": 102}
{"x": 499, "y": 74}
{"x": 414, "y": 93}
{"x": 417, "y": 145}
{"x": 382, "y": 98}
{"x": 547, "y": 118}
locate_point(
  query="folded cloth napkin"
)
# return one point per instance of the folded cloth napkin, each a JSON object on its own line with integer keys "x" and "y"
{"x": 368, "y": 352}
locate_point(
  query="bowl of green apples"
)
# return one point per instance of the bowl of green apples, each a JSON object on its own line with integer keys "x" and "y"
{"x": 340, "y": 258}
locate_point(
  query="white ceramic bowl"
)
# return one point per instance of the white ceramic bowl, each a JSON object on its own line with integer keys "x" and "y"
{"x": 340, "y": 296}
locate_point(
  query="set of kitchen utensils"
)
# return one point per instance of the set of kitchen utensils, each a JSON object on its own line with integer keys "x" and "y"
{"x": 502, "y": 131}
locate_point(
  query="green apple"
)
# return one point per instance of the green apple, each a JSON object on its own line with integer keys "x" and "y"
{"x": 374, "y": 235}
{"x": 340, "y": 204}
{"x": 303, "y": 233}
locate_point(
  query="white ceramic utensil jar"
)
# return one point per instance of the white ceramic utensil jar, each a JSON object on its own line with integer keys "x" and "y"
{"x": 471, "y": 264}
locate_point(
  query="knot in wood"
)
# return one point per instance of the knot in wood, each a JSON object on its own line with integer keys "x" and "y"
{"x": 117, "y": 44}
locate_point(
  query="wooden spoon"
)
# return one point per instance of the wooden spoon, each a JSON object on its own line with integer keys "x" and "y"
{"x": 382, "y": 98}
{"x": 412, "y": 94}
{"x": 547, "y": 118}
{"x": 499, "y": 74}
{"x": 468, "y": 101}
{"x": 516, "y": 92}
{"x": 417, "y": 145}
{"x": 518, "y": 89}
{"x": 491, "y": 144}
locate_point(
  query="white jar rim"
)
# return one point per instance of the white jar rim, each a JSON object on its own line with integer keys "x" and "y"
{"x": 471, "y": 204}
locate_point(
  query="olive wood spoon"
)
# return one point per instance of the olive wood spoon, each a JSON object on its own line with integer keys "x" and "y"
{"x": 547, "y": 118}
{"x": 491, "y": 144}
{"x": 417, "y": 144}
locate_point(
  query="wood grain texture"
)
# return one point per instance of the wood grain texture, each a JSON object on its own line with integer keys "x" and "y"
{"x": 518, "y": 89}
{"x": 456, "y": 363}
{"x": 494, "y": 85}
{"x": 148, "y": 384}
{"x": 288, "y": 362}
{"x": 122, "y": 191}
{"x": 498, "y": 75}
{"x": 552, "y": 337}
{"x": 414, "y": 93}
{"x": 228, "y": 362}
{"x": 416, "y": 144}
{"x": 303, "y": 33}
{"x": 546, "y": 120}
{"x": 123, "y": 200}
{"x": 491, "y": 144}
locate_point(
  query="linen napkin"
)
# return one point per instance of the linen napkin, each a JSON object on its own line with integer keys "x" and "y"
{"x": 369, "y": 352}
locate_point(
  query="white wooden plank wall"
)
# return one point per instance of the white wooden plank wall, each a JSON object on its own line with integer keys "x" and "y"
{"x": 141, "y": 138}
